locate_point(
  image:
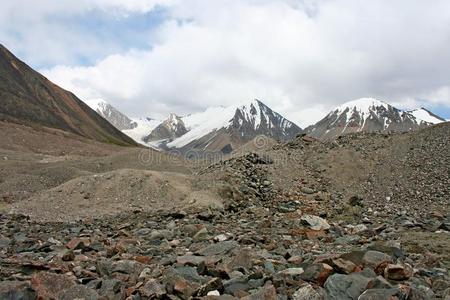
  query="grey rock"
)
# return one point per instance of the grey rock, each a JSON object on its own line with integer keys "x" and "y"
{"x": 383, "y": 294}
{"x": 219, "y": 248}
{"x": 315, "y": 222}
{"x": 79, "y": 292}
{"x": 307, "y": 190}
{"x": 265, "y": 293}
{"x": 112, "y": 289}
{"x": 376, "y": 260}
{"x": 16, "y": 290}
{"x": 153, "y": 289}
{"x": 127, "y": 267}
{"x": 345, "y": 287}
{"x": 235, "y": 284}
{"x": 191, "y": 260}
{"x": 307, "y": 292}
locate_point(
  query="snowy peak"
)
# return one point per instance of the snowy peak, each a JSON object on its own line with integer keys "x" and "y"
{"x": 365, "y": 114}
{"x": 357, "y": 113}
{"x": 258, "y": 117}
{"x": 426, "y": 115}
{"x": 111, "y": 114}
{"x": 170, "y": 129}
{"x": 229, "y": 127}
{"x": 362, "y": 106}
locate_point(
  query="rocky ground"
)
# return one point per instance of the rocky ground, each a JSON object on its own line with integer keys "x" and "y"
{"x": 254, "y": 253}
{"x": 365, "y": 217}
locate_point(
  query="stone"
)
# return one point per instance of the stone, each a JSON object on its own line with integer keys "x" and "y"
{"x": 218, "y": 248}
{"x": 307, "y": 292}
{"x": 143, "y": 231}
{"x": 390, "y": 249}
{"x": 384, "y": 294}
{"x": 213, "y": 293}
{"x": 152, "y": 289}
{"x": 16, "y": 290}
{"x": 56, "y": 286}
{"x": 307, "y": 190}
{"x": 345, "y": 287}
{"x": 212, "y": 285}
{"x": 78, "y": 292}
{"x": 201, "y": 235}
{"x": 398, "y": 272}
{"x": 188, "y": 273}
{"x": 379, "y": 283}
{"x": 359, "y": 228}
{"x": 68, "y": 255}
{"x": 54, "y": 241}
{"x": 190, "y": 260}
{"x": 161, "y": 234}
{"x": 343, "y": 266}
{"x": 221, "y": 237}
{"x": 243, "y": 259}
{"x": 111, "y": 289}
{"x": 317, "y": 273}
{"x": 292, "y": 271}
{"x": 185, "y": 288}
{"x": 49, "y": 285}
{"x": 423, "y": 292}
{"x": 315, "y": 222}
{"x": 296, "y": 260}
{"x": 355, "y": 201}
{"x": 236, "y": 284}
{"x": 127, "y": 267}
{"x": 265, "y": 293}
{"x": 4, "y": 242}
{"x": 348, "y": 239}
{"x": 78, "y": 244}
{"x": 376, "y": 260}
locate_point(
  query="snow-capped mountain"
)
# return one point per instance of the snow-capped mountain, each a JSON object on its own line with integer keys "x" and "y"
{"x": 143, "y": 127}
{"x": 222, "y": 129}
{"x": 426, "y": 115}
{"x": 365, "y": 114}
{"x": 170, "y": 129}
{"x": 111, "y": 114}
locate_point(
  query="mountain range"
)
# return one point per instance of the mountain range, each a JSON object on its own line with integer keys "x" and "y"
{"x": 217, "y": 129}
{"x": 225, "y": 129}
{"x": 370, "y": 115}
{"x": 31, "y": 99}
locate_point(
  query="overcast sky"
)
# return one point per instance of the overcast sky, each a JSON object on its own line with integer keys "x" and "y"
{"x": 302, "y": 58}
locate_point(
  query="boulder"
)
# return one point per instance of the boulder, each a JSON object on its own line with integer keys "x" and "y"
{"x": 315, "y": 222}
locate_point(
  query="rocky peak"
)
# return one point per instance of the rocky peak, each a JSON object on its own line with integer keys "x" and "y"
{"x": 170, "y": 129}
{"x": 256, "y": 118}
{"x": 367, "y": 115}
{"x": 111, "y": 114}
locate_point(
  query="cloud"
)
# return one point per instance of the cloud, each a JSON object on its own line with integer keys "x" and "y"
{"x": 300, "y": 57}
{"x": 74, "y": 31}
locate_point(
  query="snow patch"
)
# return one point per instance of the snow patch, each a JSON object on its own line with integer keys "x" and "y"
{"x": 143, "y": 128}
{"x": 424, "y": 115}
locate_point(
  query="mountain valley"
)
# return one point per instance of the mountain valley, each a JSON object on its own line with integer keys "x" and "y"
{"x": 356, "y": 206}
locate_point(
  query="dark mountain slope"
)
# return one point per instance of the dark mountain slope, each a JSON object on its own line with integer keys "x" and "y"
{"x": 27, "y": 97}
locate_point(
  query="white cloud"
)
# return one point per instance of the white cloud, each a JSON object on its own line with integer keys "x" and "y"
{"x": 300, "y": 57}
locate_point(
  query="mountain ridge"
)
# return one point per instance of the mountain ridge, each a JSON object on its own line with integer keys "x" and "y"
{"x": 30, "y": 99}
{"x": 111, "y": 114}
{"x": 367, "y": 115}
{"x": 224, "y": 129}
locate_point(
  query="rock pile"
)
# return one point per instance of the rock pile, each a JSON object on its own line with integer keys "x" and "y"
{"x": 250, "y": 254}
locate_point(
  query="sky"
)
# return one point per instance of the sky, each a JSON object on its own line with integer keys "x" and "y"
{"x": 300, "y": 57}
